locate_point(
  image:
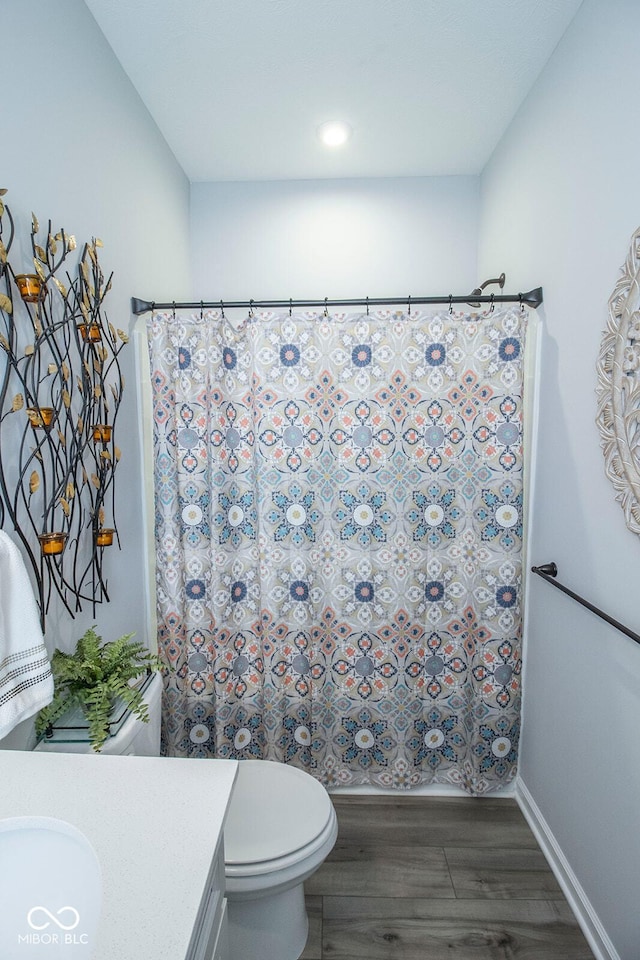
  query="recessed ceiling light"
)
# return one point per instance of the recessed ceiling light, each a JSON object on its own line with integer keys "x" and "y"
{"x": 334, "y": 133}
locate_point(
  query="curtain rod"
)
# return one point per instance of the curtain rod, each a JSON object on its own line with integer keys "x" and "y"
{"x": 531, "y": 299}
{"x": 549, "y": 571}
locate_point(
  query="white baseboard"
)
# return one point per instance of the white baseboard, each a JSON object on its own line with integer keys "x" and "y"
{"x": 590, "y": 924}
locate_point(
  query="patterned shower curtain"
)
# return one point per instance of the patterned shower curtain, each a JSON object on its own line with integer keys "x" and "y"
{"x": 339, "y": 542}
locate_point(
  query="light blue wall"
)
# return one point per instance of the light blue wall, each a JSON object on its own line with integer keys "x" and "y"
{"x": 560, "y": 201}
{"x": 79, "y": 147}
{"x": 334, "y": 238}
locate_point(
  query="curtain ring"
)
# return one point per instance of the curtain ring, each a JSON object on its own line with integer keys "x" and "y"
{"x": 492, "y": 307}
{"x": 222, "y": 310}
{"x": 450, "y": 303}
{"x": 153, "y": 309}
{"x": 326, "y": 310}
{"x": 409, "y": 307}
{"x": 290, "y": 306}
{"x": 521, "y": 303}
{"x": 367, "y": 306}
{"x": 201, "y": 309}
{"x": 251, "y": 309}
{"x": 174, "y": 310}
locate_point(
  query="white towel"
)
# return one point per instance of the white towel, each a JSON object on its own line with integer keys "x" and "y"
{"x": 26, "y": 682}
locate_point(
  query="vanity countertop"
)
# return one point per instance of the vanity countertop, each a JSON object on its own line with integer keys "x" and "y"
{"x": 154, "y": 823}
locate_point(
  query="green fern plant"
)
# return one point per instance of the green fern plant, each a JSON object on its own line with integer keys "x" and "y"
{"x": 93, "y": 677}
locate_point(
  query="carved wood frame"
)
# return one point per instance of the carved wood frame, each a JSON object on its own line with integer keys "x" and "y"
{"x": 618, "y": 389}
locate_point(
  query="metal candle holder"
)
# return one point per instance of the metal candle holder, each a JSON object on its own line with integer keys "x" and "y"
{"x": 60, "y": 392}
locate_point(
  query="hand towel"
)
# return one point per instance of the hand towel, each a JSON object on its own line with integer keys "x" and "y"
{"x": 26, "y": 681}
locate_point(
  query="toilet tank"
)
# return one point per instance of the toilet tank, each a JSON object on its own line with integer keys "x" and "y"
{"x": 134, "y": 738}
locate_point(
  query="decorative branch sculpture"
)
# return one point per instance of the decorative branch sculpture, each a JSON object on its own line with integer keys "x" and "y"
{"x": 60, "y": 392}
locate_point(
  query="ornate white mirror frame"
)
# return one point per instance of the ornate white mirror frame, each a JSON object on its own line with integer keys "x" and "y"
{"x": 618, "y": 388}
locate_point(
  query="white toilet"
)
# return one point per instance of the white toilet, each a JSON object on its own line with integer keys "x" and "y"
{"x": 280, "y": 827}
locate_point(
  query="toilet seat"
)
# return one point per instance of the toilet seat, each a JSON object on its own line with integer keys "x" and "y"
{"x": 279, "y": 816}
{"x": 322, "y": 843}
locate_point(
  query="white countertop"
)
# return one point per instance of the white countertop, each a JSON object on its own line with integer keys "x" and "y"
{"x": 154, "y": 823}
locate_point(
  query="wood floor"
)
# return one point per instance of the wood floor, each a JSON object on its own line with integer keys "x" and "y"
{"x": 437, "y": 878}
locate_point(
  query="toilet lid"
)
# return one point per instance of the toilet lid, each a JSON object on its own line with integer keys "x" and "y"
{"x": 275, "y": 810}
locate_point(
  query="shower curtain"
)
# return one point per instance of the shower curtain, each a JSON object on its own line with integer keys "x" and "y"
{"x": 339, "y": 541}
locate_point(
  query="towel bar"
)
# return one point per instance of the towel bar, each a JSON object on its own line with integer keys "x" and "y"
{"x": 549, "y": 571}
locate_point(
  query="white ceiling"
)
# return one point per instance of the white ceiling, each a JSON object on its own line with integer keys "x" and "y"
{"x": 238, "y": 87}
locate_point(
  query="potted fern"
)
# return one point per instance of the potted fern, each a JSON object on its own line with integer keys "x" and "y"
{"x": 94, "y": 676}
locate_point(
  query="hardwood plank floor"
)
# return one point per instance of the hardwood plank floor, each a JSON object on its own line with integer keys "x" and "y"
{"x": 507, "y": 873}
{"x": 437, "y": 878}
{"x": 436, "y": 821}
{"x": 313, "y": 949}
{"x": 379, "y": 869}
{"x": 378, "y": 929}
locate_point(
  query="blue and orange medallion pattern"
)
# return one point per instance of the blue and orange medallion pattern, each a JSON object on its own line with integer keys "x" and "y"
{"x": 339, "y": 519}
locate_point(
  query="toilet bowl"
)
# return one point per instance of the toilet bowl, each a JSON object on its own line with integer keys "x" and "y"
{"x": 280, "y": 827}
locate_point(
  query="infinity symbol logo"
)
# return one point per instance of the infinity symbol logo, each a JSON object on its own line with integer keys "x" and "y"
{"x": 58, "y": 923}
